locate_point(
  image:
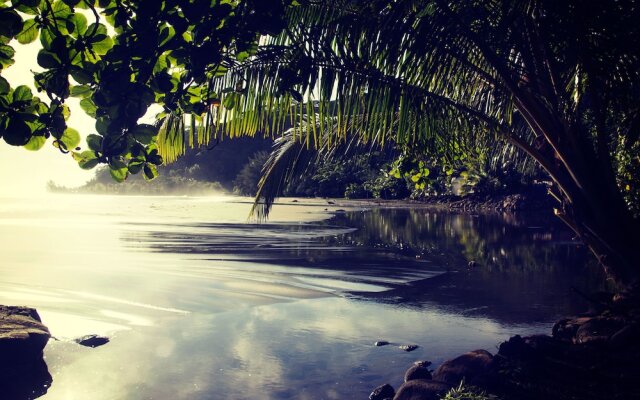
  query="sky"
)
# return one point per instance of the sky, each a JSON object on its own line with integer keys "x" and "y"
{"x": 26, "y": 173}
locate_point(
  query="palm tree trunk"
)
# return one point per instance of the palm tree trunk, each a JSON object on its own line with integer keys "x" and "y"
{"x": 593, "y": 206}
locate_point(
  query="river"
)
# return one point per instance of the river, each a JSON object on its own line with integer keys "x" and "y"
{"x": 198, "y": 303}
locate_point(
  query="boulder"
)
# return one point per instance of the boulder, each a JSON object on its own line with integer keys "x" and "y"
{"x": 419, "y": 370}
{"x": 22, "y": 336}
{"x": 23, "y": 372}
{"x": 597, "y": 330}
{"x": 420, "y": 389}
{"x": 624, "y": 337}
{"x": 92, "y": 340}
{"x": 382, "y": 392}
{"x": 473, "y": 367}
{"x": 408, "y": 347}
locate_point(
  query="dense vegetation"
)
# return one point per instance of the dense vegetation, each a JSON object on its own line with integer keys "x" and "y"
{"x": 555, "y": 83}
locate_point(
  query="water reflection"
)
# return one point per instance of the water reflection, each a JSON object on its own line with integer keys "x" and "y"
{"x": 311, "y": 349}
{"x": 25, "y": 382}
{"x": 505, "y": 267}
{"x": 277, "y": 311}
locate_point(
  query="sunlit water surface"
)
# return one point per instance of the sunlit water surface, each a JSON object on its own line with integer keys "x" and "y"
{"x": 201, "y": 304}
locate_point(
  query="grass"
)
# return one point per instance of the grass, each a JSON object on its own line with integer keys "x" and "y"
{"x": 466, "y": 392}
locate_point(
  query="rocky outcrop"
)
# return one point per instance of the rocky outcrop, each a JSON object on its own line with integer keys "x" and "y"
{"x": 419, "y": 370}
{"x": 23, "y": 372}
{"x": 421, "y": 389}
{"x": 475, "y": 367}
{"x": 382, "y": 392}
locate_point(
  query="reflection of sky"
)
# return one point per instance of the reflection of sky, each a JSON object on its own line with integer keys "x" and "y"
{"x": 187, "y": 324}
{"x": 319, "y": 348}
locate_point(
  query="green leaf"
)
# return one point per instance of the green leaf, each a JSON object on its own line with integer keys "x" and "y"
{"x": 150, "y": 172}
{"x": 243, "y": 55}
{"x": 82, "y": 76}
{"x": 48, "y": 60}
{"x": 102, "y": 125}
{"x": 35, "y": 143}
{"x": 135, "y": 166}
{"x": 17, "y": 132}
{"x": 103, "y": 46}
{"x": 89, "y": 107}
{"x": 5, "y": 87}
{"x": 100, "y": 32}
{"x": 119, "y": 174}
{"x": 70, "y": 138}
{"x": 79, "y": 22}
{"x": 29, "y": 32}
{"x": 230, "y": 101}
{"x": 86, "y": 160}
{"x": 22, "y": 93}
{"x": 94, "y": 142}
{"x": 10, "y": 23}
{"x": 81, "y": 91}
{"x": 6, "y": 56}
{"x": 145, "y": 133}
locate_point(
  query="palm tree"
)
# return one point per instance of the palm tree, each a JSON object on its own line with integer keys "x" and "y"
{"x": 556, "y": 80}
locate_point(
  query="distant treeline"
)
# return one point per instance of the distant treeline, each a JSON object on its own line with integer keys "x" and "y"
{"x": 235, "y": 166}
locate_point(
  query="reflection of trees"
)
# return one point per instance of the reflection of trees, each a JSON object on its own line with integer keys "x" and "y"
{"x": 494, "y": 242}
{"x": 521, "y": 273}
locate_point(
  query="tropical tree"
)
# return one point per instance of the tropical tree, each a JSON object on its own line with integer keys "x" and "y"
{"x": 554, "y": 81}
{"x": 120, "y": 57}
{"x": 557, "y": 82}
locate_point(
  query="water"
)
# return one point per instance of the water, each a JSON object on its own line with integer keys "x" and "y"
{"x": 200, "y": 304}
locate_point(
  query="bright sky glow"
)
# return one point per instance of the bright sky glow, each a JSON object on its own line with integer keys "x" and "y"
{"x": 24, "y": 172}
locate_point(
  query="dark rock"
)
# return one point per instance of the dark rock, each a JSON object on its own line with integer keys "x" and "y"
{"x": 516, "y": 348}
{"x": 381, "y": 343}
{"x": 23, "y": 372}
{"x": 597, "y": 330}
{"x": 382, "y": 392}
{"x": 22, "y": 335}
{"x": 623, "y": 337}
{"x": 422, "y": 390}
{"x": 419, "y": 370}
{"x": 473, "y": 367}
{"x": 408, "y": 347}
{"x": 92, "y": 340}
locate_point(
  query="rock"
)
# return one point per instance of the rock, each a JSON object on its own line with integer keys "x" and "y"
{"x": 22, "y": 335}
{"x": 623, "y": 337}
{"x": 381, "y": 343}
{"x": 408, "y": 347}
{"x": 23, "y": 372}
{"x": 419, "y": 370}
{"x": 473, "y": 367}
{"x": 597, "y": 330}
{"x": 422, "y": 390}
{"x": 565, "y": 329}
{"x": 382, "y": 392}
{"x": 92, "y": 340}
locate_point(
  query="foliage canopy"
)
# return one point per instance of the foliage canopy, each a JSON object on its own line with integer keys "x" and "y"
{"x": 557, "y": 82}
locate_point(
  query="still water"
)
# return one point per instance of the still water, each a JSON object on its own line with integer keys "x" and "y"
{"x": 201, "y": 304}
